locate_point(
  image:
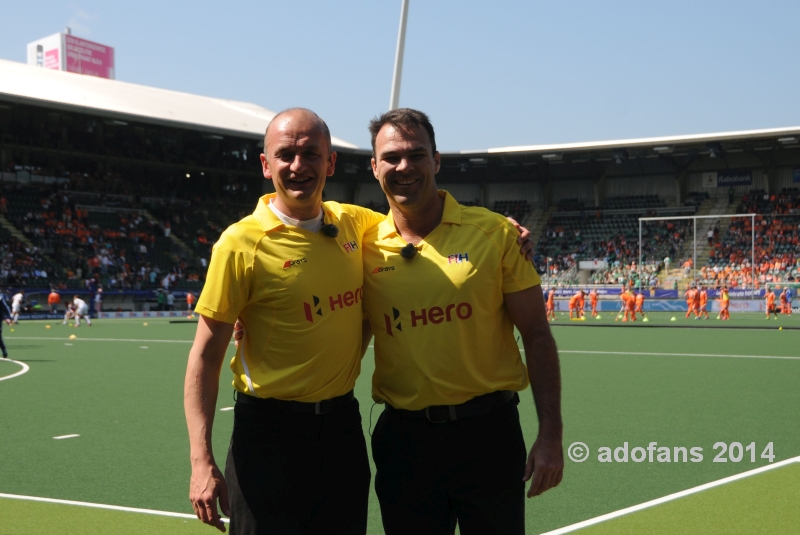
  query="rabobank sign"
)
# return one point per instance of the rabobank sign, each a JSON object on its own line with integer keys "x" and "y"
{"x": 734, "y": 177}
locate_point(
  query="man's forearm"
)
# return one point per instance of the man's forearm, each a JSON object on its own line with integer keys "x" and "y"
{"x": 201, "y": 385}
{"x": 199, "y": 400}
{"x": 541, "y": 356}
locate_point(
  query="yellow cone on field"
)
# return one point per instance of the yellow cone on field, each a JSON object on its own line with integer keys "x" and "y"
{"x": 46, "y": 326}
{"x": 145, "y": 324}
{"x": 72, "y": 337}
{"x": 672, "y": 318}
{"x": 645, "y": 320}
{"x": 780, "y": 328}
{"x": 597, "y": 318}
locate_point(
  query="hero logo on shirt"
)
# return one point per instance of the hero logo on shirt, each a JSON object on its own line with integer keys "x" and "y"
{"x": 392, "y": 322}
{"x": 350, "y": 246}
{"x": 335, "y": 302}
{"x": 292, "y": 263}
{"x": 308, "y": 307}
{"x": 433, "y": 315}
{"x": 457, "y": 258}
{"x": 381, "y": 269}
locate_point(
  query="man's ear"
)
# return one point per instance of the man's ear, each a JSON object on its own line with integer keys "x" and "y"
{"x": 438, "y": 159}
{"x": 265, "y": 167}
{"x": 331, "y": 163}
{"x": 374, "y": 168}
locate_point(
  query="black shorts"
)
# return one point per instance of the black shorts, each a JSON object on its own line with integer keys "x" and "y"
{"x": 292, "y": 473}
{"x": 430, "y": 476}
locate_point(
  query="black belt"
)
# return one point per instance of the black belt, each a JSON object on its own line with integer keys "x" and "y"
{"x": 326, "y": 406}
{"x": 477, "y": 406}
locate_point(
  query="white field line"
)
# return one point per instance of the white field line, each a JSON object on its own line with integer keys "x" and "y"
{"x": 720, "y": 355}
{"x": 670, "y": 497}
{"x": 24, "y": 370}
{"x": 714, "y": 355}
{"x": 102, "y": 506}
{"x": 50, "y": 338}
{"x": 61, "y": 339}
{"x": 66, "y": 436}
{"x": 226, "y": 409}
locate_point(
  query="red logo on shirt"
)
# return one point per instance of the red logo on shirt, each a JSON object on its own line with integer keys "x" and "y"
{"x": 380, "y": 269}
{"x": 392, "y": 322}
{"x": 335, "y": 302}
{"x": 434, "y": 315}
{"x": 291, "y": 263}
{"x": 350, "y": 246}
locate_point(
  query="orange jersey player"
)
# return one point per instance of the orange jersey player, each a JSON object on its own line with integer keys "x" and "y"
{"x": 551, "y": 304}
{"x": 593, "y": 300}
{"x": 582, "y": 303}
{"x": 574, "y": 303}
{"x": 689, "y": 295}
{"x": 769, "y": 297}
{"x": 639, "y": 301}
{"x": 630, "y": 305}
{"x": 724, "y": 304}
{"x": 784, "y": 301}
{"x": 703, "y": 302}
{"x": 696, "y": 303}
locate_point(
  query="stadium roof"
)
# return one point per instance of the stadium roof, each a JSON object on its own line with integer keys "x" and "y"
{"x": 769, "y": 135}
{"x": 57, "y": 89}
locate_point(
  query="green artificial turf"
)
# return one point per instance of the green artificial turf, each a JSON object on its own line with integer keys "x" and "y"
{"x": 124, "y": 398}
{"x": 31, "y": 518}
{"x": 764, "y": 503}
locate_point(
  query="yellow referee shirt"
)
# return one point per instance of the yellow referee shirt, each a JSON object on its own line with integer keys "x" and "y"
{"x": 442, "y": 333}
{"x": 299, "y": 294}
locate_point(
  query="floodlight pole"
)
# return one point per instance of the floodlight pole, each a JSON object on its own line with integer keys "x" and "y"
{"x": 394, "y": 99}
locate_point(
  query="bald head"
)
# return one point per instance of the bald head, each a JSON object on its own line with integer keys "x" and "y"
{"x": 307, "y": 119}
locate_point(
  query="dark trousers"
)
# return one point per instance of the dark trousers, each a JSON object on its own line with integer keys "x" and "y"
{"x": 2, "y": 344}
{"x": 292, "y": 473}
{"x": 430, "y": 476}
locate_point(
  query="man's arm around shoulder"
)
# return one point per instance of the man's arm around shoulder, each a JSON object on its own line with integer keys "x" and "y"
{"x": 199, "y": 402}
{"x": 545, "y": 464}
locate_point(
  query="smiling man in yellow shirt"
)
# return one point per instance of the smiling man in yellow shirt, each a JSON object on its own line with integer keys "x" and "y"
{"x": 444, "y": 287}
{"x": 292, "y": 272}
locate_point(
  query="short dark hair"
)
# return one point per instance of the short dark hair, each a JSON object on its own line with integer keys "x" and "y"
{"x": 404, "y": 118}
{"x": 322, "y": 124}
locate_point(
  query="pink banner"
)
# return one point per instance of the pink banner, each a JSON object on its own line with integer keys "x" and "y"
{"x": 51, "y": 60}
{"x": 86, "y": 57}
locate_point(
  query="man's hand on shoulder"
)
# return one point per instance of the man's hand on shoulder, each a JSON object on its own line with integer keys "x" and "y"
{"x": 524, "y": 239}
{"x": 206, "y": 486}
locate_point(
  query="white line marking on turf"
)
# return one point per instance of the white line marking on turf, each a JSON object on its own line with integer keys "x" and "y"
{"x": 24, "y": 370}
{"x": 41, "y": 338}
{"x": 102, "y": 506}
{"x": 670, "y": 497}
{"x": 143, "y": 347}
{"x": 67, "y": 344}
{"x": 226, "y": 409}
{"x": 103, "y": 339}
{"x": 677, "y": 354}
{"x": 66, "y": 436}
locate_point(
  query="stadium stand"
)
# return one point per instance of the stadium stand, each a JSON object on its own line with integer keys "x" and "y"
{"x": 611, "y": 234}
{"x": 777, "y": 242}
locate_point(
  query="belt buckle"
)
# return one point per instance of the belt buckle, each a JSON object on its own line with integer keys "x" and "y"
{"x": 322, "y": 407}
{"x": 428, "y": 416}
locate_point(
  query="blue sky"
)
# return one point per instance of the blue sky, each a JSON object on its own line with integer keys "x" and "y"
{"x": 489, "y": 74}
